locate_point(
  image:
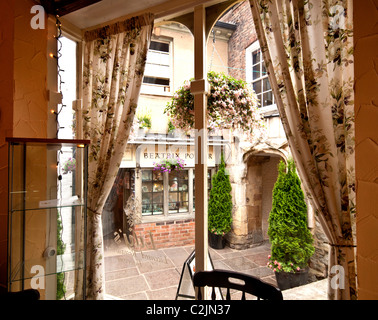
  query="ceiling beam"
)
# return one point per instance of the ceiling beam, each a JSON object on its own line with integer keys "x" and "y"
{"x": 63, "y": 7}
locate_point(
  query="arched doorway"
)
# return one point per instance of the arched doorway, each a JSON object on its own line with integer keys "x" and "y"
{"x": 261, "y": 176}
{"x": 251, "y": 213}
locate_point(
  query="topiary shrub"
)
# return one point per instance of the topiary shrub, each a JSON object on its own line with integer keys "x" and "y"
{"x": 220, "y": 202}
{"x": 290, "y": 238}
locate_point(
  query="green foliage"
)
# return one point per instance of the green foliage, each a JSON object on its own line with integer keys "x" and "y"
{"x": 61, "y": 247}
{"x": 145, "y": 121}
{"x": 171, "y": 127}
{"x": 231, "y": 104}
{"x": 143, "y": 117}
{"x": 290, "y": 238}
{"x": 220, "y": 202}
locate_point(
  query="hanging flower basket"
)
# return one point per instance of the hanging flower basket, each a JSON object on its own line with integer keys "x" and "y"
{"x": 69, "y": 165}
{"x": 231, "y": 104}
{"x": 168, "y": 165}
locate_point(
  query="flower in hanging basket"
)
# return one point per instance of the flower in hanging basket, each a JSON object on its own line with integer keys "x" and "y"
{"x": 231, "y": 104}
{"x": 168, "y": 165}
{"x": 69, "y": 165}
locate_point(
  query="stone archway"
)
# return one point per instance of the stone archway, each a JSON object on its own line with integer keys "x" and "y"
{"x": 261, "y": 176}
{"x": 250, "y": 216}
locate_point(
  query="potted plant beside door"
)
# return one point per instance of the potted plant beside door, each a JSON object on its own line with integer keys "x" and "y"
{"x": 219, "y": 207}
{"x": 290, "y": 238}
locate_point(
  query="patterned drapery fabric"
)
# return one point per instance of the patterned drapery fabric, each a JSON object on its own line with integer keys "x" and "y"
{"x": 114, "y": 62}
{"x": 308, "y": 51}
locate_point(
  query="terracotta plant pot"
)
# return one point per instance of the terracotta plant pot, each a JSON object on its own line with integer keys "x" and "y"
{"x": 216, "y": 241}
{"x": 287, "y": 280}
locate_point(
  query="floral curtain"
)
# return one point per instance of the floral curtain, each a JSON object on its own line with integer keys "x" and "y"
{"x": 114, "y": 62}
{"x": 307, "y": 46}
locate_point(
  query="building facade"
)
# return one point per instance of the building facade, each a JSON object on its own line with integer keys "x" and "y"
{"x": 158, "y": 208}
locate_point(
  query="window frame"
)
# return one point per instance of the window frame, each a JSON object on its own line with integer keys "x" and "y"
{"x": 255, "y": 46}
{"x": 154, "y": 88}
{"x": 167, "y": 213}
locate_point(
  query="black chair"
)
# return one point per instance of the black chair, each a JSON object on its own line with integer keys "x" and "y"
{"x": 242, "y": 282}
{"x": 25, "y": 295}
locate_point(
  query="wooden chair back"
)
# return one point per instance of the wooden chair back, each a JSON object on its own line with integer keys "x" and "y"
{"x": 236, "y": 281}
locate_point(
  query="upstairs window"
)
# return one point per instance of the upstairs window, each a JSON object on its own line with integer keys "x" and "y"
{"x": 157, "y": 74}
{"x": 257, "y": 75}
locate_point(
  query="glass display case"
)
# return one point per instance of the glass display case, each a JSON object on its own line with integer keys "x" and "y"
{"x": 47, "y": 216}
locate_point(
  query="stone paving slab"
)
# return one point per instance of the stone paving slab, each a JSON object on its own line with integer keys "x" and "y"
{"x": 312, "y": 291}
{"x": 155, "y": 274}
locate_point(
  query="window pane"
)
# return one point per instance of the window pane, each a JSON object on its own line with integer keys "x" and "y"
{"x": 256, "y": 57}
{"x": 184, "y": 196}
{"x": 158, "y": 186}
{"x": 154, "y": 80}
{"x": 256, "y": 72}
{"x": 184, "y": 207}
{"x": 157, "y": 197}
{"x": 264, "y": 73}
{"x": 146, "y": 175}
{"x": 159, "y": 46}
{"x": 268, "y": 98}
{"x": 183, "y": 186}
{"x": 173, "y": 197}
{"x": 257, "y": 87}
{"x": 173, "y": 185}
{"x": 183, "y": 174}
{"x": 173, "y": 207}
{"x": 146, "y": 187}
{"x": 259, "y": 98}
{"x": 266, "y": 84}
{"x": 157, "y": 176}
{"x": 146, "y": 210}
{"x": 158, "y": 208}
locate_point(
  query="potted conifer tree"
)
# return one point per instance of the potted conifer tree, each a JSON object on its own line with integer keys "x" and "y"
{"x": 219, "y": 207}
{"x": 290, "y": 238}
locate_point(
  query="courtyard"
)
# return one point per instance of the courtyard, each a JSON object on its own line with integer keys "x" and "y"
{"x": 155, "y": 274}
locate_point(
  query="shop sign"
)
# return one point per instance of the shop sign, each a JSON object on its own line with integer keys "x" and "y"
{"x": 150, "y": 154}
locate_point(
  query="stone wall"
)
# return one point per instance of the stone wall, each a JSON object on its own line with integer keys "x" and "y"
{"x": 319, "y": 261}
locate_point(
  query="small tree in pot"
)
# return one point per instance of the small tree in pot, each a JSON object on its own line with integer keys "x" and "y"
{"x": 290, "y": 238}
{"x": 219, "y": 207}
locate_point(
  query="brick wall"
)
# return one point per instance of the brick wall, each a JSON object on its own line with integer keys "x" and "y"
{"x": 241, "y": 39}
{"x": 166, "y": 234}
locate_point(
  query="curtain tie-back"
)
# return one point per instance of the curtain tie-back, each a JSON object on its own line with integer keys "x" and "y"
{"x": 93, "y": 211}
{"x": 342, "y": 245}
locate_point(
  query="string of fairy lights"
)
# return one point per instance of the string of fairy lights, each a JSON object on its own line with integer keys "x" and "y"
{"x": 59, "y": 71}
{"x": 57, "y": 112}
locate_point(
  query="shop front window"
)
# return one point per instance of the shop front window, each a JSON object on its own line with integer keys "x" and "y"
{"x": 152, "y": 192}
{"x": 171, "y": 193}
{"x": 178, "y": 192}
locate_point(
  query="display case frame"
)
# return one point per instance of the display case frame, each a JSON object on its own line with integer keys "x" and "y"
{"x": 35, "y": 216}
